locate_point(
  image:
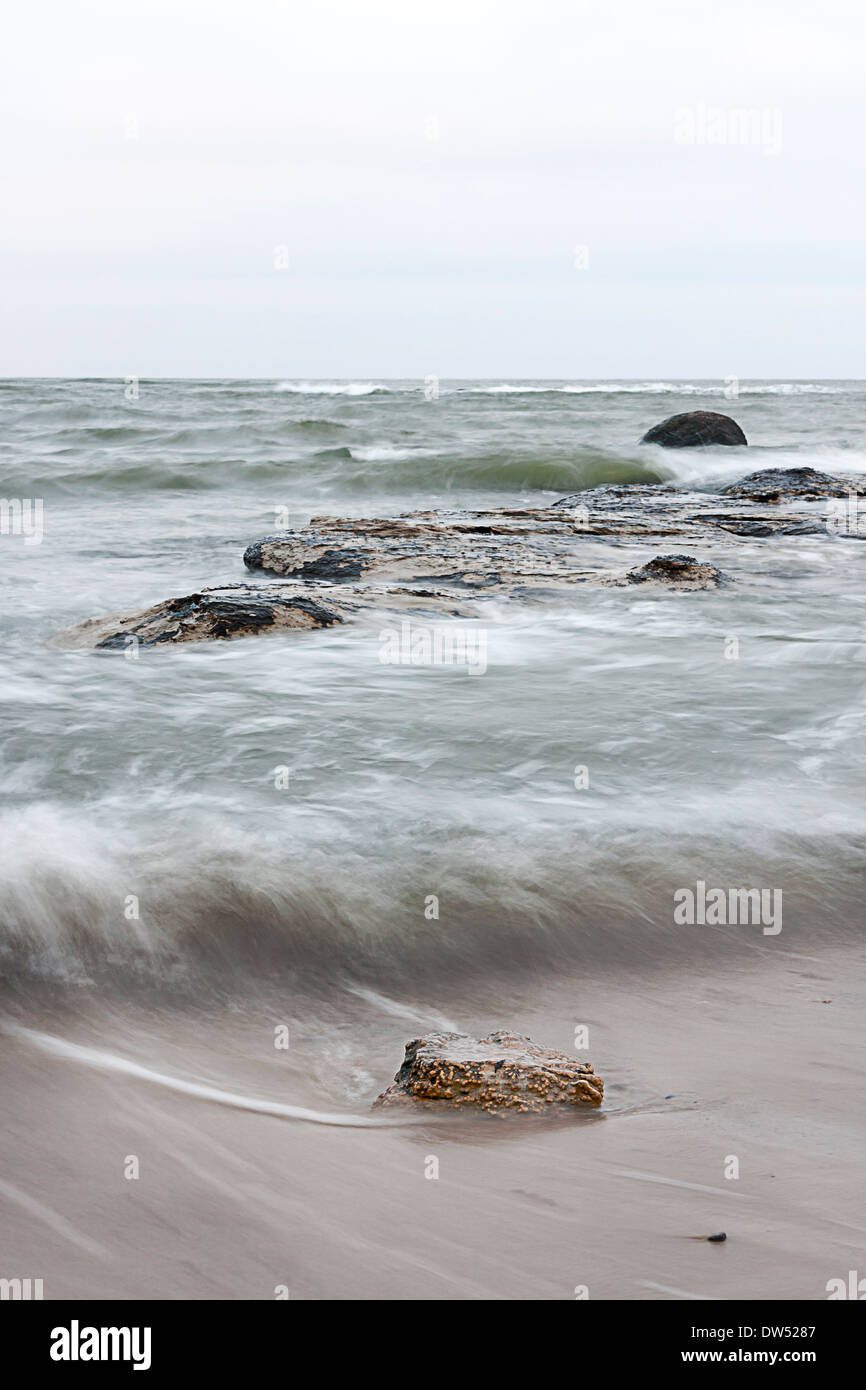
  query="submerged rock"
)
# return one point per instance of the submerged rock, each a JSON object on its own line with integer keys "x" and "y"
{"x": 440, "y": 566}
{"x": 769, "y": 484}
{"x": 244, "y": 610}
{"x": 235, "y": 611}
{"x": 499, "y": 1072}
{"x": 695, "y": 428}
{"x": 681, "y": 571}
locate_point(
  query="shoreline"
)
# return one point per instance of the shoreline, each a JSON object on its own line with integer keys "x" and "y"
{"x": 231, "y": 1205}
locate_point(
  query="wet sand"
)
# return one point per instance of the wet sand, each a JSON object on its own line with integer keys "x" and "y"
{"x": 741, "y": 1061}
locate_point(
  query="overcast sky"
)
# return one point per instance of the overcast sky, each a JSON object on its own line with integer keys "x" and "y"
{"x": 372, "y": 188}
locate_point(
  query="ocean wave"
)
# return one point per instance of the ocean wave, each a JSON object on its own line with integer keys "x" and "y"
{"x": 385, "y": 453}
{"x": 658, "y": 388}
{"x": 793, "y": 388}
{"x": 220, "y": 903}
{"x": 404, "y": 471}
{"x": 334, "y": 388}
{"x": 316, "y": 426}
{"x": 355, "y": 471}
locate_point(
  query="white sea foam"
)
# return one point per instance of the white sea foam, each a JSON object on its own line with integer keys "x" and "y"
{"x": 333, "y": 388}
{"x": 661, "y": 388}
{"x": 381, "y": 453}
{"x": 99, "y": 1060}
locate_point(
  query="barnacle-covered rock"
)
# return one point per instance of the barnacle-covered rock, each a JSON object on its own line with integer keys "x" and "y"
{"x": 499, "y": 1072}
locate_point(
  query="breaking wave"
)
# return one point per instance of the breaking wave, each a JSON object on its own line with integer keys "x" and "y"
{"x": 88, "y": 905}
{"x": 662, "y": 388}
{"x": 333, "y": 388}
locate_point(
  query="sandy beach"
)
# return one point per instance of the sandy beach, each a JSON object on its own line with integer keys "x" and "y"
{"x": 744, "y": 1061}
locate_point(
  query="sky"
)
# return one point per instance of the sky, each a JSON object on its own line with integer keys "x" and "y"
{"x": 376, "y": 189}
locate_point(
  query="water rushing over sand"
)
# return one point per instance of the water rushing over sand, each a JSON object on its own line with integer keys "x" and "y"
{"x": 203, "y": 843}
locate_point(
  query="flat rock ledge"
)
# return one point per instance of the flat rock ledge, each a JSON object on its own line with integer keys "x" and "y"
{"x": 501, "y": 1072}
{"x": 444, "y": 565}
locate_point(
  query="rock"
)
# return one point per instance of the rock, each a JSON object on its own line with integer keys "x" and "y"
{"x": 769, "y": 484}
{"x": 682, "y": 571}
{"x": 501, "y": 1072}
{"x": 439, "y": 566}
{"x": 695, "y": 427}
{"x": 236, "y": 611}
{"x": 330, "y": 565}
{"x": 244, "y": 610}
{"x": 767, "y": 526}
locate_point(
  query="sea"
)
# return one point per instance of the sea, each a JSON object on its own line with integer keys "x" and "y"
{"x": 290, "y": 803}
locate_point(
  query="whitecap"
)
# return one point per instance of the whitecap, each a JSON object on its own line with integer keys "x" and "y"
{"x": 332, "y": 388}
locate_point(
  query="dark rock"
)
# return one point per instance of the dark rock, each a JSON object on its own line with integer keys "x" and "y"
{"x": 502, "y": 1071}
{"x": 217, "y": 614}
{"x": 334, "y": 565}
{"x": 693, "y": 428}
{"x": 682, "y": 571}
{"x": 769, "y": 484}
{"x": 331, "y": 566}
